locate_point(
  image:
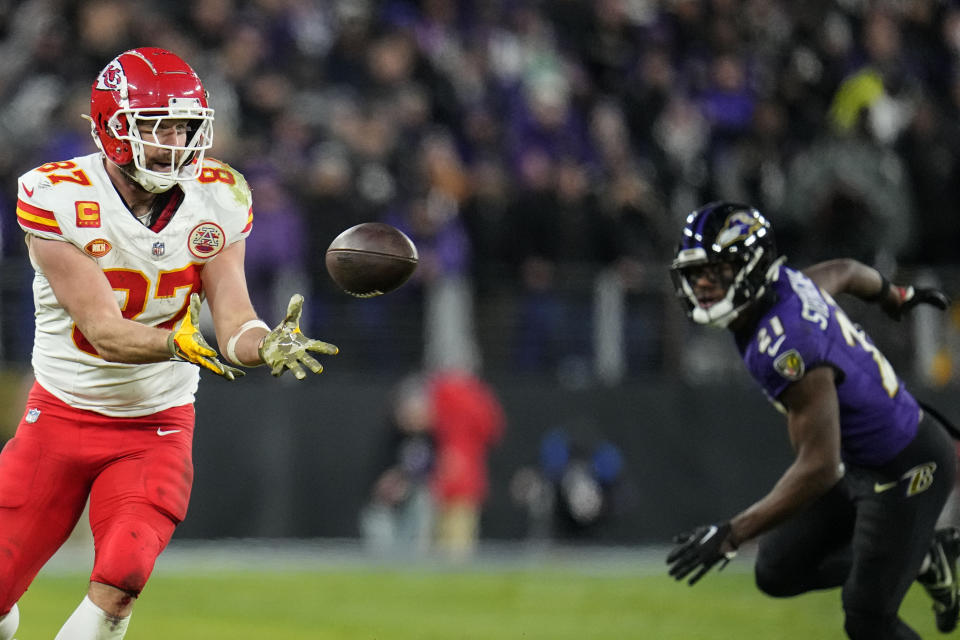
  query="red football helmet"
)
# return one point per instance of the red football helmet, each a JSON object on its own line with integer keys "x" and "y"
{"x": 149, "y": 85}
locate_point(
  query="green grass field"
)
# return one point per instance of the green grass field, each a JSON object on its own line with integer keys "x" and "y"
{"x": 365, "y": 601}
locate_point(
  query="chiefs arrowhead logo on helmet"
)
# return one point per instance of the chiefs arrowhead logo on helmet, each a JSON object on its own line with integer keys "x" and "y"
{"x": 111, "y": 78}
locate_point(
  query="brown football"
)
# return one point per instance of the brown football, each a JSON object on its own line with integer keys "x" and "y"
{"x": 371, "y": 259}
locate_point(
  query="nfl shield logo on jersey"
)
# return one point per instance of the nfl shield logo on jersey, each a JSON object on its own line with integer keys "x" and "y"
{"x": 158, "y": 249}
{"x": 33, "y": 415}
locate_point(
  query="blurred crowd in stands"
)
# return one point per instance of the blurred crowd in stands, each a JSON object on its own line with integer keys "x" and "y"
{"x": 514, "y": 138}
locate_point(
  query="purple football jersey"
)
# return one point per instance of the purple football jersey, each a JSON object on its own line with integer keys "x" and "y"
{"x": 804, "y": 329}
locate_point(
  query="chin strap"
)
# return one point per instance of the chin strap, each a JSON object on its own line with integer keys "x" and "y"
{"x": 150, "y": 183}
{"x": 706, "y": 316}
{"x": 720, "y": 314}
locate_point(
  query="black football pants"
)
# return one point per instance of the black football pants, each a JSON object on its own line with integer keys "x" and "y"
{"x": 868, "y": 534}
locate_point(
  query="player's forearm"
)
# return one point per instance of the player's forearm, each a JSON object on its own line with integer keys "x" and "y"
{"x": 127, "y": 341}
{"x": 846, "y": 275}
{"x": 813, "y": 422}
{"x": 801, "y": 484}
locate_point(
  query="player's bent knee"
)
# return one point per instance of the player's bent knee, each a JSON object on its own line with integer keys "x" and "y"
{"x": 774, "y": 582}
{"x": 126, "y": 555}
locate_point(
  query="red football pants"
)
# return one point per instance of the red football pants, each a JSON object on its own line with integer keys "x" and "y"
{"x": 137, "y": 473}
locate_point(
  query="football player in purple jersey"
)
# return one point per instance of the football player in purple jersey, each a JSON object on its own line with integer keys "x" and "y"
{"x": 858, "y": 506}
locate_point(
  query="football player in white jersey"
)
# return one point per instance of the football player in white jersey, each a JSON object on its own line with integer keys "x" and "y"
{"x": 125, "y": 243}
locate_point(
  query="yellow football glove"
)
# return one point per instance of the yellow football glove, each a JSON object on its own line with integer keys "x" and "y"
{"x": 188, "y": 344}
{"x": 286, "y": 348}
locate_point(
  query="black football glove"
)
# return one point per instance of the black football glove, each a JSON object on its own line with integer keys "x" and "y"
{"x": 700, "y": 550}
{"x": 906, "y": 298}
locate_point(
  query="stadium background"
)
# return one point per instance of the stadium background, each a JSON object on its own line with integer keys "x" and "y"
{"x": 541, "y": 155}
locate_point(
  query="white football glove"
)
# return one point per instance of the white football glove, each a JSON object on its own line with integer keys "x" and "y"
{"x": 287, "y": 348}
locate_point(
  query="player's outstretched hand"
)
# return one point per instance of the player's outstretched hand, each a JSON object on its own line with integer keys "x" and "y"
{"x": 188, "y": 344}
{"x": 908, "y": 297}
{"x": 287, "y": 348}
{"x": 699, "y": 550}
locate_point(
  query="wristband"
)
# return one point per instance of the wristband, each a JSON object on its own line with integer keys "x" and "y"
{"x": 231, "y": 351}
{"x": 732, "y": 541}
{"x": 172, "y": 345}
{"x": 882, "y": 294}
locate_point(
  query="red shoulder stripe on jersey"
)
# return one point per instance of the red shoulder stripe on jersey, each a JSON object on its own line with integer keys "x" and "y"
{"x": 249, "y": 221}
{"x": 36, "y": 218}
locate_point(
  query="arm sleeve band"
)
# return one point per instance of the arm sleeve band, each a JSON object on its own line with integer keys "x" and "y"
{"x": 231, "y": 351}
{"x": 880, "y": 295}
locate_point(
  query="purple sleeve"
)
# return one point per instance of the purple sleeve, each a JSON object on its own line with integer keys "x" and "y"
{"x": 775, "y": 361}
{"x": 793, "y": 336}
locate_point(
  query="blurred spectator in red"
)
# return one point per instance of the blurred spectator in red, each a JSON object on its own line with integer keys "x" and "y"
{"x": 468, "y": 420}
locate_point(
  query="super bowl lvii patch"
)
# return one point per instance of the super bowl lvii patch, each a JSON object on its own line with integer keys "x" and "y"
{"x": 789, "y": 365}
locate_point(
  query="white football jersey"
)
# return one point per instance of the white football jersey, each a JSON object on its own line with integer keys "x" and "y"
{"x": 152, "y": 273}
